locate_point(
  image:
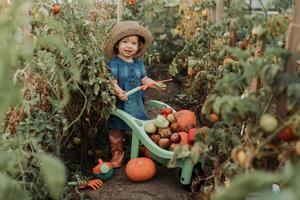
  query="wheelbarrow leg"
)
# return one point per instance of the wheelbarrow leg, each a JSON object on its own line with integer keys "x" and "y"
{"x": 186, "y": 172}
{"x": 135, "y": 145}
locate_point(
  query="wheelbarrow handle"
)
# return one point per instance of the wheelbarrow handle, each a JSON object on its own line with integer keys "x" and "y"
{"x": 144, "y": 87}
{"x": 134, "y": 90}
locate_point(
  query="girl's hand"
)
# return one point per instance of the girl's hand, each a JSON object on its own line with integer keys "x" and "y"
{"x": 122, "y": 96}
{"x": 161, "y": 86}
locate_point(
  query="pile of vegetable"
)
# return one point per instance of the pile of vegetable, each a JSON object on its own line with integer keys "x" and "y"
{"x": 170, "y": 128}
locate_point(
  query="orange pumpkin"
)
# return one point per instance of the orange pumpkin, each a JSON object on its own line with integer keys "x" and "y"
{"x": 140, "y": 169}
{"x": 184, "y": 138}
{"x": 185, "y": 119}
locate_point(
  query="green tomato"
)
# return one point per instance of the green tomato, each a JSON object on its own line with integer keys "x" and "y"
{"x": 268, "y": 123}
{"x": 192, "y": 63}
{"x": 226, "y": 34}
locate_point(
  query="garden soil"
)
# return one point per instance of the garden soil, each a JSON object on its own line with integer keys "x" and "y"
{"x": 165, "y": 185}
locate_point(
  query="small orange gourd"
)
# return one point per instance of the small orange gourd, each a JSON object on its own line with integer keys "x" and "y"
{"x": 185, "y": 119}
{"x": 140, "y": 169}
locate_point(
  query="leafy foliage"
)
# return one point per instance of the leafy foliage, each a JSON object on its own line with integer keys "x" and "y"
{"x": 246, "y": 184}
{"x": 160, "y": 17}
{"x": 59, "y": 63}
{"x": 220, "y": 66}
{"x": 62, "y": 88}
{"x": 53, "y": 174}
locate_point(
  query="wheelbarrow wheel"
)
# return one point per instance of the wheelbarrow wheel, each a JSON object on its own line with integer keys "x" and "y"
{"x": 197, "y": 179}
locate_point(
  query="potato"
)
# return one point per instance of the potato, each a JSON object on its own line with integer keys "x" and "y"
{"x": 174, "y": 127}
{"x": 155, "y": 138}
{"x": 175, "y": 137}
{"x": 164, "y": 143}
{"x": 164, "y": 132}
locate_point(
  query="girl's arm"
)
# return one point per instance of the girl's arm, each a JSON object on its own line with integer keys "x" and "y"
{"x": 119, "y": 92}
{"x": 147, "y": 80}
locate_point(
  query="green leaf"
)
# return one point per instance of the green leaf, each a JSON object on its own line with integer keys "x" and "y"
{"x": 53, "y": 173}
{"x": 269, "y": 73}
{"x": 9, "y": 161}
{"x": 230, "y": 84}
{"x": 10, "y": 189}
{"x": 238, "y": 5}
{"x": 285, "y": 194}
{"x": 246, "y": 184}
{"x": 293, "y": 95}
{"x": 235, "y": 107}
{"x": 4, "y": 159}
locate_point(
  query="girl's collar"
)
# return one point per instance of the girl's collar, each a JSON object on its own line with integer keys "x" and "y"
{"x": 133, "y": 60}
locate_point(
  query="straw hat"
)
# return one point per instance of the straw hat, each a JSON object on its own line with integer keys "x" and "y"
{"x": 127, "y": 28}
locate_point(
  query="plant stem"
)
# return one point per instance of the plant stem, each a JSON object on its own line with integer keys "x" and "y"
{"x": 78, "y": 117}
{"x": 83, "y": 108}
{"x": 264, "y": 9}
{"x": 267, "y": 105}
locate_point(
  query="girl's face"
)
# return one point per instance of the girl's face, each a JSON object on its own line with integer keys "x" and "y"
{"x": 128, "y": 46}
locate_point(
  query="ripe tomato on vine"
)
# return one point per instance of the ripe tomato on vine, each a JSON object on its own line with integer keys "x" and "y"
{"x": 56, "y": 9}
{"x": 131, "y": 2}
{"x": 287, "y": 134}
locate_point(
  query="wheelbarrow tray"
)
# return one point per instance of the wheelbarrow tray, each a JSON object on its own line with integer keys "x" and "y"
{"x": 140, "y": 137}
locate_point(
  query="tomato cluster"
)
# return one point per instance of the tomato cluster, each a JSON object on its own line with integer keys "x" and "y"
{"x": 165, "y": 112}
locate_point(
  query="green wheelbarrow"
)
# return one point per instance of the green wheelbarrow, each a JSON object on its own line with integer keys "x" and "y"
{"x": 140, "y": 137}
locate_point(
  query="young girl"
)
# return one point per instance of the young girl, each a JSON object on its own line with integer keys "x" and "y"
{"x": 128, "y": 42}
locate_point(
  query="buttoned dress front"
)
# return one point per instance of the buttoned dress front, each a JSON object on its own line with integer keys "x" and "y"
{"x": 129, "y": 76}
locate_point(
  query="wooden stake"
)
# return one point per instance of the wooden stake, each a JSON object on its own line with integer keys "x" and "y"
{"x": 259, "y": 51}
{"x": 119, "y": 10}
{"x": 292, "y": 44}
{"x": 219, "y": 10}
{"x": 293, "y": 40}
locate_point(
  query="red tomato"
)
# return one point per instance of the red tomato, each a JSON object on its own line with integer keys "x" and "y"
{"x": 166, "y": 111}
{"x": 56, "y": 9}
{"x": 165, "y": 115}
{"x": 195, "y": 131}
{"x": 286, "y": 134}
{"x": 184, "y": 138}
{"x": 131, "y": 2}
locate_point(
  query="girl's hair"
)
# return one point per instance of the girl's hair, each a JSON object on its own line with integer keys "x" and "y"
{"x": 141, "y": 42}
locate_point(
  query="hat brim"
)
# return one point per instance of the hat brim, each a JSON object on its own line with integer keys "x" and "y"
{"x": 140, "y": 31}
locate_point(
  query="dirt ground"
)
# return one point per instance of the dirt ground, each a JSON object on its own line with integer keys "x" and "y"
{"x": 165, "y": 185}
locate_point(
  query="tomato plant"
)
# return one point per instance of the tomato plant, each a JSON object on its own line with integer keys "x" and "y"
{"x": 235, "y": 71}
{"x": 218, "y": 68}
{"x": 64, "y": 79}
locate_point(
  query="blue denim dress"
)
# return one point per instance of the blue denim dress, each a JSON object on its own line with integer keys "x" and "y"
{"x": 129, "y": 76}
